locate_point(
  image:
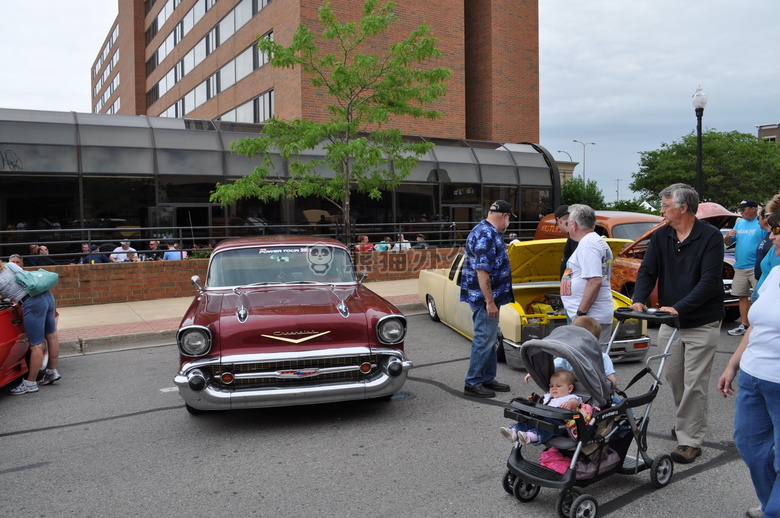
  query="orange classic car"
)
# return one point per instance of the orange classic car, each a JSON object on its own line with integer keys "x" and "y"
{"x": 609, "y": 223}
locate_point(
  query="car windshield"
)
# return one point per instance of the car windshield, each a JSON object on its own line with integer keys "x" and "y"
{"x": 280, "y": 265}
{"x": 632, "y": 230}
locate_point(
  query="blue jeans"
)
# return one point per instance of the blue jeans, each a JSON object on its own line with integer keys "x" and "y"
{"x": 544, "y": 435}
{"x": 38, "y": 315}
{"x": 484, "y": 362}
{"x": 756, "y": 432}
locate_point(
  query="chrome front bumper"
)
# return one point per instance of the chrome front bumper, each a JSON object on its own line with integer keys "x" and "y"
{"x": 633, "y": 349}
{"x": 385, "y": 380}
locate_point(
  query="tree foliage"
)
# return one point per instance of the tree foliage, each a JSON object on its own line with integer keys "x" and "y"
{"x": 735, "y": 166}
{"x": 365, "y": 91}
{"x": 587, "y": 192}
{"x": 634, "y": 205}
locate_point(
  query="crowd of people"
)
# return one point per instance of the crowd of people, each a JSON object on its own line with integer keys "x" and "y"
{"x": 387, "y": 244}
{"x": 684, "y": 260}
{"x": 95, "y": 254}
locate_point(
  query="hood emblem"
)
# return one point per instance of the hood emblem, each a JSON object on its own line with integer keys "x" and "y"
{"x": 295, "y": 340}
{"x": 242, "y": 314}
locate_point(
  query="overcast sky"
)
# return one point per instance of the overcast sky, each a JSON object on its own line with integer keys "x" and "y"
{"x": 615, "y": 72}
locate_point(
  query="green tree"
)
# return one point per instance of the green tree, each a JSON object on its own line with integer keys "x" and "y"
{"x": 634, "y": 205}
{"x": 735, "y": 166}
{"x": 365, "y": 91}
{"x": 578, "y": 191}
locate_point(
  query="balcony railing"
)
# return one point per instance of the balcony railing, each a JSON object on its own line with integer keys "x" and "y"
{"x": 64, "y": 244}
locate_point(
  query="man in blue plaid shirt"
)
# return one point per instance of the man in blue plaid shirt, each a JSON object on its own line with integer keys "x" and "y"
{"x": 486, "y": 284}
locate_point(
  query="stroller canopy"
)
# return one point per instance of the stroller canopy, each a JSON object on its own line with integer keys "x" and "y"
{"x": 581, "y": 349}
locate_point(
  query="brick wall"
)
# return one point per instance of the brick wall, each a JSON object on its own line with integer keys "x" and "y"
{"x": 394, "y": 266}
{"x": 84, "y": 285}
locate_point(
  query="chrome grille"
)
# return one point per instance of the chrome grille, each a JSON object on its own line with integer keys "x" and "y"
{"x": 265, "y": 372}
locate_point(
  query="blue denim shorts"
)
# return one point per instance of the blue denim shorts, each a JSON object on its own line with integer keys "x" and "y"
{"x": 38, "y": 315}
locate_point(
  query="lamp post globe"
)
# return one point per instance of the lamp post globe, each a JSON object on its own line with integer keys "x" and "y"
{"x": 699, "y": 101}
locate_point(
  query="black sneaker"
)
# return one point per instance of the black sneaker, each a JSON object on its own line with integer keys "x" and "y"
{"x": 498, "y": 387}
{"x": 478, "y": 391}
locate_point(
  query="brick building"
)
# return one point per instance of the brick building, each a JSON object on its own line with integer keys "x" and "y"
{"x": 197, "y": 59}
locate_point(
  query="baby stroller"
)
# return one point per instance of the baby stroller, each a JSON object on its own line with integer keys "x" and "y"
{"x": 599, "y": 447}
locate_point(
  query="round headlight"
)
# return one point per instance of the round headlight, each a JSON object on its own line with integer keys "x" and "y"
{"x": 195, "y": 342}
{"x": 391, "y": 330}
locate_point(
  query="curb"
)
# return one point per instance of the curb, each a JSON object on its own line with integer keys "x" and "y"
{"x": 159, "y": 338}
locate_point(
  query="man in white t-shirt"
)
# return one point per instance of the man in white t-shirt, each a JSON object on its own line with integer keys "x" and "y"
{"x": 585, "y": 288}
{"x": 120, "y": 253}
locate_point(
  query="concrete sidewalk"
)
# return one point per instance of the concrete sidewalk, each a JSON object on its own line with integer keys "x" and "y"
{"x": 85, "y": 329}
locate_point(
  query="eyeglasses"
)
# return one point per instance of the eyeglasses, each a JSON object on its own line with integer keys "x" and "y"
{"x": 775, "y": 230}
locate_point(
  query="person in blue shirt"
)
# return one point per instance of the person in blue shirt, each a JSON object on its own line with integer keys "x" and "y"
{"x": 747, "y": 234}
{"x": 94, "y": 257}
{"x": 486, "y": 284}
{"x": 172, "y": 254}
{"x": 772, "y": 257}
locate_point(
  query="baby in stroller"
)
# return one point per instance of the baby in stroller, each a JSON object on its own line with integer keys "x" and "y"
{"x": 561, "y": 389}
{"x": 560, "y": 396}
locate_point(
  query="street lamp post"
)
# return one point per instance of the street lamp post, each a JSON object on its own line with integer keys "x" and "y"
{"x": 583, "y": 156}
{"x": 567, "y": 154}
{"x": 699, "y": 102}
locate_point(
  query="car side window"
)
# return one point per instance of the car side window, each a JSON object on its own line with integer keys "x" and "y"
{"x": 455, "y": 268}
{"x": 602, "y": 231}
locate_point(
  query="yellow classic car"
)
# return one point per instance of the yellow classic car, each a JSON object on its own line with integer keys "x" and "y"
{"x": 537, "y": 309}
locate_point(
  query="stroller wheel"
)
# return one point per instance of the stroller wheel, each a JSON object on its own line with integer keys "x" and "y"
{"x": 564, "y": 501}
{"x": 508, "y": 481}
{"x": 524, "y": 491}
{"x": 585, "y": 506}
{"x": 661, "y": 470}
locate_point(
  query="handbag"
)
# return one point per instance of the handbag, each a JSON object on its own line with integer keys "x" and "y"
{"x": 38, "y": 282}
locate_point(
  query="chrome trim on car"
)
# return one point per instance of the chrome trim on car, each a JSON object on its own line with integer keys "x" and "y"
{"x": 385, "y": 380}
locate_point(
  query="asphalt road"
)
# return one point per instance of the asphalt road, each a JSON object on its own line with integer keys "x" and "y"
{"x": 113, "y": 439}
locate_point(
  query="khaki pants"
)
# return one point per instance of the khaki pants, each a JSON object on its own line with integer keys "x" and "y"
{"x": 688, "y": 371}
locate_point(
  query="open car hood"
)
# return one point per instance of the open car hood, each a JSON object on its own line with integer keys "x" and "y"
{"x": 540, "y": 260}
{"x": 713, "y": 213}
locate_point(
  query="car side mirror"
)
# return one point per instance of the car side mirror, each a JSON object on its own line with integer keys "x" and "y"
{"x": 195, "y": 281}
{"x": 363, "y": 276}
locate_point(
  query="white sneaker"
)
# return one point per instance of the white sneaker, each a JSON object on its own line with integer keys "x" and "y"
{"x": 523, "y": 438}
{"x": 509, "y": 434}
{"x": 738, "y": 331}
{"x": 49, "y": 378}
{"x": 754, "y": 512}
{"x": 23, "y": 388}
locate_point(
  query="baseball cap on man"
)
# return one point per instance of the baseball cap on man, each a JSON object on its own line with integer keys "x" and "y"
{"x": 747, "y": 203}
{"x": 502, "y": 206}
{"x": 561, "y": 211}
{"x": 94, "y": 247}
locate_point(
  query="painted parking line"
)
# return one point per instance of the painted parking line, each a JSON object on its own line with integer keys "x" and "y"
{"x": 169, "y": 389}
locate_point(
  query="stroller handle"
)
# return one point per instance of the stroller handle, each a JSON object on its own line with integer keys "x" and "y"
{"x": 650, "y": 314}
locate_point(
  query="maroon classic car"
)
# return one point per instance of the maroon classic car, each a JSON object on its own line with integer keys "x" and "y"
{"x": 282, "y": 320}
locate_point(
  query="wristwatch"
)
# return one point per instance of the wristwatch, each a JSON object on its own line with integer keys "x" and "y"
{"x": 581, "y": 313}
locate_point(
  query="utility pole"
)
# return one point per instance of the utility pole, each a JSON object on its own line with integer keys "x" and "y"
{"x": 618, "y": 189}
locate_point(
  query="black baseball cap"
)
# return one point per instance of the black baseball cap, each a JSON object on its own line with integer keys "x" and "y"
{"x": 561, "y": 211}
{"x": 502, "y": 206}
{"x": 747, "y": 203}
